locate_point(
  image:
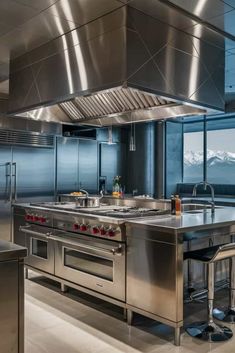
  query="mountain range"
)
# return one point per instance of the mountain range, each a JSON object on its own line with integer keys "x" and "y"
{"x": 192, "y": 158}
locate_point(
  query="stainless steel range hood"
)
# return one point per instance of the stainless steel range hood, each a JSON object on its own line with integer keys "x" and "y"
{"x": 123, "y": 67}
{"x": 123, "y": 106}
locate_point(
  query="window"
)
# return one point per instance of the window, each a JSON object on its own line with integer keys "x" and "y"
{"x": 193, "y": 153}
{"x": 219, "y": 161}
{"x": 221, "y": 156}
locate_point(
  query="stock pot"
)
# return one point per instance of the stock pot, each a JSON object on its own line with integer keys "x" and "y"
{"x": 88, "y": 201}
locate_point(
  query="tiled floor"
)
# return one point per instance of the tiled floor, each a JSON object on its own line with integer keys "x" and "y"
{"x": 70, "y": 323}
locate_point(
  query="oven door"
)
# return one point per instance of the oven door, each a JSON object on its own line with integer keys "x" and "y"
{"x": 41, "y": 254}
{"x": 96, "y": 264}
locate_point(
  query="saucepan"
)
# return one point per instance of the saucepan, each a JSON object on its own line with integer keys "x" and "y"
{"x": 88, "y": 201}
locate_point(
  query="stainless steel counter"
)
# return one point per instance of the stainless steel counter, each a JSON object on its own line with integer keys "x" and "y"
{"x": 12, "y": 297}
{"x": 11, "y": 251}
{"x": 190, "y": 221}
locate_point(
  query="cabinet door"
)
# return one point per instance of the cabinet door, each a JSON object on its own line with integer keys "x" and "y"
{"x": 67, "y": 165}
{"x": 9, "y": 296}
{"x": 34, "y": 173}
{"x": 88, "y": 165}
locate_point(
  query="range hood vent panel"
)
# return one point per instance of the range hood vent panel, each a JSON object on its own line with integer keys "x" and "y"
{"x": 111, "y": 102}
{"x": 26, "y": 138}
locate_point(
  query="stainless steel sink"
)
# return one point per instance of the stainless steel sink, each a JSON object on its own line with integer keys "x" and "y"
{"x": 196, "y": 208}
{"x": 197, "y": 211}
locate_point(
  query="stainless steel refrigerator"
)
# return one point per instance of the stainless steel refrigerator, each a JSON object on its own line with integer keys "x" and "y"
{"x": 27, "y": 173}
{"x": 77, "y": 165}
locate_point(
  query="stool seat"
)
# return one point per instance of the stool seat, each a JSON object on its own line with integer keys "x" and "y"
{"x": 204, "y": 255}
{"x": 212, "y": 253}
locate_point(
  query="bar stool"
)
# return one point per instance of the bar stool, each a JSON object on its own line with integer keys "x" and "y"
{"x": 209, "y": 330}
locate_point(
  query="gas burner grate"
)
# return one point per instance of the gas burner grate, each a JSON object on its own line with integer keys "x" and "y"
{"x": 130, "y": 212}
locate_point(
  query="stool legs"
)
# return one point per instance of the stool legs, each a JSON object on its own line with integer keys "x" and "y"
{"x": 229, "y": 314}
{"x": 208, "y": 330}
{"x": 190, "y": 284}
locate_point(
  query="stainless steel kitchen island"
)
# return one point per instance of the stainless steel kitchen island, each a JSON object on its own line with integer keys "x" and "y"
{"x": 135, "y": 263}
{"x": 155, "y": 248}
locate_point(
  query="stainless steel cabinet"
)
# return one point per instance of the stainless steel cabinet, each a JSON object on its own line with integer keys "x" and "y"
{"x": 35, "y": 173}
{"x": 26, "y": 174}
{"x": 112, "y": 162}
{"x": 77, "y": 165}
{"x": 155, "y": 273}
{"x": 12, "y": 298}
{"x": 67, "y": 165}
{"x": 88, "y": 165}
{"x": 12, "y": 306}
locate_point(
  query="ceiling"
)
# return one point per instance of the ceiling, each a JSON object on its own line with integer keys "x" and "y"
{"x": 27, "y": 24}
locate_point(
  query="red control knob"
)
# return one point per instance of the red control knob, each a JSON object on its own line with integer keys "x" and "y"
{"x": 83, "y": 227}
{"x": 42, "y": 219}
{"x": 35, "y": 218}
{"x": 31, "y": 218}
{"x": 102, "y": 231}
{"x": 111, "y": 232}
{"x": 95, "y": 230}
{"x": 27, "y": 217}
{"x": 76, "y": 226}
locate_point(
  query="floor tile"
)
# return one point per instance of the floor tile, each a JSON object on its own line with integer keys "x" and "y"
{"x": 77, "y": 323}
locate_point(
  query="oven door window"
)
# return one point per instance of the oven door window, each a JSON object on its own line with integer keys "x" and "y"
{"x": 39, "y": 248}
{"x": 89, "y": 263}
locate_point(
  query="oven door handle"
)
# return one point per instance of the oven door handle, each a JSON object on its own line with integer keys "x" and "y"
{"x": 114, "y": 251}
{"x": 28, "y": 230}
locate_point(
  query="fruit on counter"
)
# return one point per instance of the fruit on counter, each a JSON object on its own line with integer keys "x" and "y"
{"x": 117, "y": 187}
{"x": 77, "y": 193}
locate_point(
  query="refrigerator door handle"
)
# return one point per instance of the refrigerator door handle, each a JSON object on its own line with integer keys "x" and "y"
{"x": 8, "y": 188}
{"x": 14, "y": 175}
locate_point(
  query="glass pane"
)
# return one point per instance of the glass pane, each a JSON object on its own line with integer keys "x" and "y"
{"x": 87, "y": 263}
{"x": 193, "y": 153}
{"x": 221, "y": 156}
{"x": 39, "y": 248}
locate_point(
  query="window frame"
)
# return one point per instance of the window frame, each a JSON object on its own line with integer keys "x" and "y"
{"x": 205, "y": 119}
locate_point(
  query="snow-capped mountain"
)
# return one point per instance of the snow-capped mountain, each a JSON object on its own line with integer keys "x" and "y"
{"x": 192, "y": 158}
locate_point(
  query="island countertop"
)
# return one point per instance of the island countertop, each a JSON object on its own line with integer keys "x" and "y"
{"x": 189, "y": 221}
{"x": 10, "y": 251}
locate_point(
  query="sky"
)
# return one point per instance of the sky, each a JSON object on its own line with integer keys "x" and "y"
{"x": 217, "y": 140}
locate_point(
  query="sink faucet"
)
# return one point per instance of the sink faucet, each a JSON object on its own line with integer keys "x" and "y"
{"x": 84, "y": 192}
{"x": 205, "y": 185}
{"x": 134, "y": 192}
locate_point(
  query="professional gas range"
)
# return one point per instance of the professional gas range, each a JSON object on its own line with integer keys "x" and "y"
{"x": 105, "y": 221}
{"x": 86, "y": 247}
